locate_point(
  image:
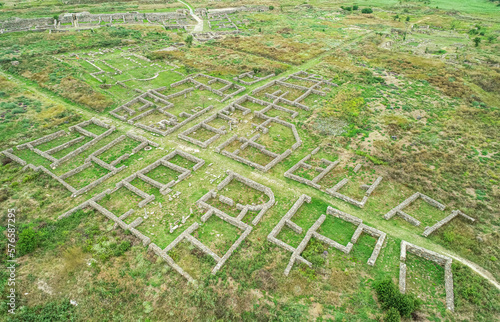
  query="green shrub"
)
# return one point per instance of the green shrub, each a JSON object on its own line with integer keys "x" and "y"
{"x": 29, "y": 239}
{"x": 392, "y": 315}
{"x": 122, "y": 248}
{"x": 390, "y": 297}
{"x": 367, "y": 10}
{"x": 373, "y": 159}
{"x": 189, "y": 40}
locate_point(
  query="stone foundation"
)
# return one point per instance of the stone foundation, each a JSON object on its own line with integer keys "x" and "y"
{"x": 446, "y": 220}
{"x": 92, "y": 158}
{"x": 312, "y": 232}
{"x": 398, "y": 210}
{"x": 434, "y": 257}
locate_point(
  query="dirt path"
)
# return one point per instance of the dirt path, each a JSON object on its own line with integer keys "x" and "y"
{"x": 476, "y": 268}
{"x": 199, "y": 25}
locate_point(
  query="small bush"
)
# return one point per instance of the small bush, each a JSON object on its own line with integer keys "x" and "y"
{"x": 29, "y": 239}
{"x": 390, "y": 297}
{"x": 392, "y": 315}
{"x": 366, "y": 10}
{"x": 189, "y": 40}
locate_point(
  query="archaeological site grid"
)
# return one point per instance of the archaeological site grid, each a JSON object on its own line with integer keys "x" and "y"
{"x": 233, "y": 124}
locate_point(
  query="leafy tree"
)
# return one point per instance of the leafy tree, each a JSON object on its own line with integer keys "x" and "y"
{"x": 477, "y": 41}
{"x": 271, "y": 7}
{"x": 408, "y": 18}
{"x": 355, "y": 7}
{"x": 396, "y": 17}
{"x": 367, "y": 10}
{"x": 189, "y": 40}
{"x": 491, "y": 38}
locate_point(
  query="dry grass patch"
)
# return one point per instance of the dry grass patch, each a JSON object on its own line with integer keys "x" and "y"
{"x": 275, "y": 47}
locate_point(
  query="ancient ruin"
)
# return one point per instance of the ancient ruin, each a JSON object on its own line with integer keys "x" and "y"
{"x": 312, "y": 232}
{"x": 252, "y": 76}
{"x": 434, "y": 257}
{"x": 211, "y": 210}
{"x": 154, "y": 104}
{"x": 446, "y": 220}
{"x": 323, "y": 171}
{"x": 398, "y": 210}
{"x": 89, "y": 161}
{"x": 142, "y": 175}
{"x": 333, "y": 191}
{"x": 164, "y": 188}
{"x": 302, "y": 164}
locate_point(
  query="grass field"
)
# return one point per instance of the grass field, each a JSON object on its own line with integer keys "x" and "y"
{"x": 414, "y": 100}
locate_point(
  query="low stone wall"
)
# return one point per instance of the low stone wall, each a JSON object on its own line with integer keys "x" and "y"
{"x": 86, "y": 19}
{"x": 287, "y": 220}
{"x": 446, "y": 220}
{"x": 163, "y": 188}
{"x": 262, "y": 149}
{"x": 442, "y": 260}
{"x": 302, "y": 164}
{"x": 92, "y": 158}
{"x": 398, "y": 210}
{"x": 262, "y": 208}
{"x": 210, "y": 211}
{"x": 361, "y": 228}
{"x": 359, "y": 203}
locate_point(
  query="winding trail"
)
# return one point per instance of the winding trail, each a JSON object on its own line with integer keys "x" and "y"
{"x": 199, "y": 25}
{"x": 476, "y": 268}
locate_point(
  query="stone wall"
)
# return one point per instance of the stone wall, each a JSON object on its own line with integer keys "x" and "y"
{"x": 398, "y": 210}
{"x": 166, "y": 126}
{"x": 361, "y": 228}
{"x": 92, "y": 158}
{"x": 303, "y": 164}
{"x": 86, "y": 19}
{"x": 251, "y": 142}
{"x": 442, "y": 260}
{"x": 210, "y": 211}
{"x": 163, "y": 188}
{"x": 312, "y": 232}
{"x": 359, "y": 203}
{"x": 446, "y": 220}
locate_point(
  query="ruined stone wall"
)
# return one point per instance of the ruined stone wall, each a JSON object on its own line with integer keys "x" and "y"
{"x": 84, "y": 19}
{"x": 442, "y": 260}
